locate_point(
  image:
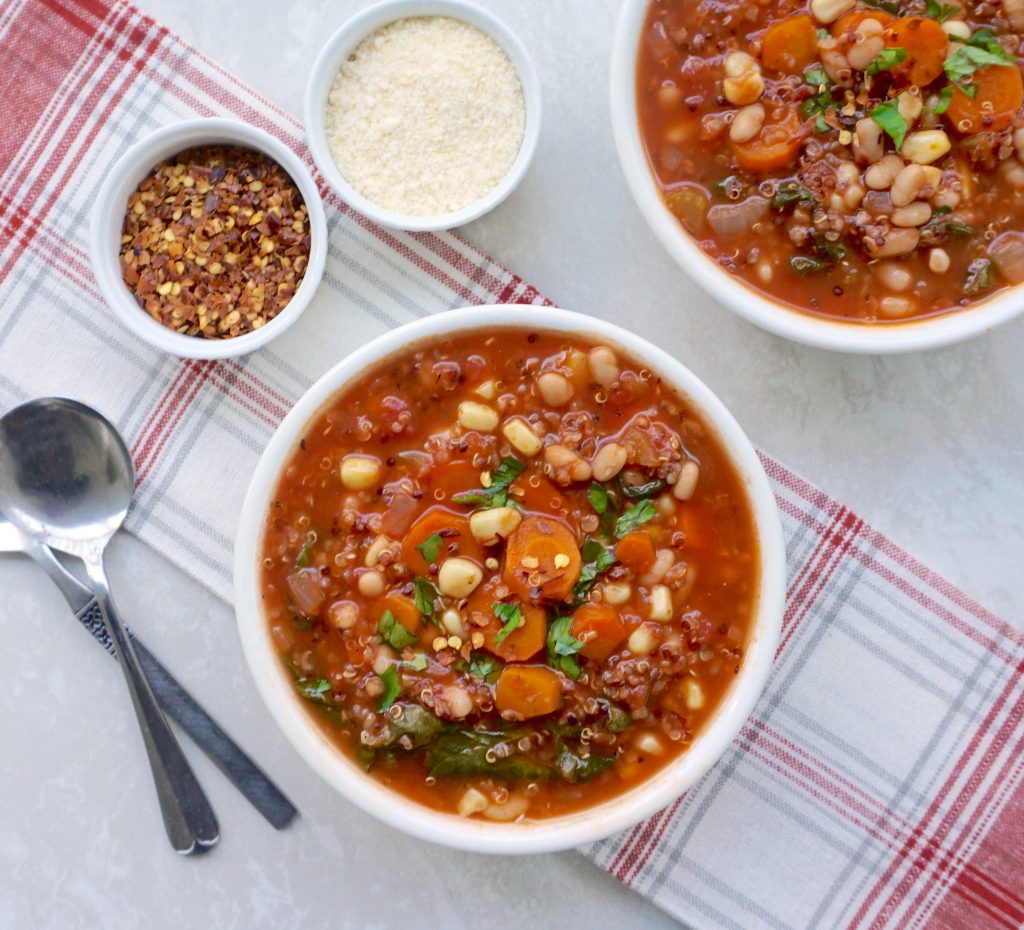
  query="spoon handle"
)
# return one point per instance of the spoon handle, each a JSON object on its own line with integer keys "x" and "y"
{"x": 188, "y": 817}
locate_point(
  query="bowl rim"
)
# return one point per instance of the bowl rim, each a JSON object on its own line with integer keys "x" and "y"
{"x": 345, "y": 39}
{"x": 111, "y": 204}
{"x": 592, "y": 823}
{"x": 838, "y": 335}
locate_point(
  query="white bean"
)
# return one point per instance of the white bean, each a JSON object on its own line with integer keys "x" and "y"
{"x": 938, "y": 261}
{"x": 896, "y": 242}
{"x": 865, "y": 52}
{"x": 879, "y": 176}
{"x": 458, "y": 577}
{"x": 894, "y": 277}
{"x": 686, "y": 483}
{"x": 914, "y": 214}
{"x": 664, "y": 559}
{"x": 747, "y": 123}
{"x": 488, "y": 526}
{"x": 907, "y": 185}
{"x": 828, "y": 11}
{"x": 608, "y": 461}
{"x": 895, "y": 306}
{"x": 555, "y": 389}
{"x": 604, "y": 366}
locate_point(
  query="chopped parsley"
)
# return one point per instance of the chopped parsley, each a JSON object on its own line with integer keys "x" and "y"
{"x": 481, "y": 665}
{"x": 424, "y": 593}
{"x": 597, "y": 559}
{"x": 511, "y": 615}
{"x": 393, "y": 633}
{"x": 945, "y": 96}
{"x": 635, "y": 516}
{"x": 818, "y": 103}
{"x": 563, "y": 646}
{"x": 431, "y": 547}
{"x": 789, "y": 192}
{"x": 632, "y": 485}
{"x": 887, "y": 5}
{"x": 392, "y": 688}
{"x": 497, "y": 494}
{"x": 887, "y": 58}
{"x": 980, "y": 276}
{"x": 940, "y": 12}
{"x": 887, "y": 115}
{"x": 315, "y": 689}
{"x": 598, "y": 496}
{"x": 804, "y": 265}
{"x": 302, "y": 559}
{"x": 982, "y": 49}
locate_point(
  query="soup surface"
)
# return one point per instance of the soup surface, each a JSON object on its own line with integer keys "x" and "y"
{"x": 849, "y": 159}
{"x": 512, "y": 574}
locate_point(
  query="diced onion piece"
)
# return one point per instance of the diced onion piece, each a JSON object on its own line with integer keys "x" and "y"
{"x": 486, "y": 389}
{"x": 731, "y": 219}
{"x": 304, "y": 587}
{"x": 1007, "y": 254}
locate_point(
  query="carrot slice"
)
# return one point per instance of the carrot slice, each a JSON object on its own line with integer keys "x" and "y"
{"x": 696, "y": 528}
{"x": 528, "y": 690}
{"x": 790, "y": 45}
{"x": 523, "y": 642}
{"x": 600, "y": 628}
{"x": 542, "y": 560}
{"x": 999, "y": 95}
{"x": 454, "y": 531}
{"x": 636, "y": 551}
{"x": 925, "y": 43}
{"x": 775, "y": 146}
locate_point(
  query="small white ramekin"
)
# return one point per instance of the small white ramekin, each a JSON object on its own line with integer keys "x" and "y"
{"x": 349, "y": 779}
{"x": 108, "y": 219}
{"x": 344, "y": 42}
{"x": 775, "y": 317}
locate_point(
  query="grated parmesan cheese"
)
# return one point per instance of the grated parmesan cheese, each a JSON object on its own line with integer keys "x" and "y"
{"x": 426, "y": 116}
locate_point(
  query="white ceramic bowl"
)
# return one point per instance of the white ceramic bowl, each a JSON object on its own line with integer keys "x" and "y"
{"x": 744, "y": 300}
{"x": 346, "y": 776}
{"x": 112, "y": 203}
{"x": 344, "y": 42}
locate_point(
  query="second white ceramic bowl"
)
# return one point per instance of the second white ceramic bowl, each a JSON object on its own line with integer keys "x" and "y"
{"x": 344, "y": 42}
{"x": 344, "y": 774}
{"x": 112, "y": 204}
{"x": 744, "y": 300}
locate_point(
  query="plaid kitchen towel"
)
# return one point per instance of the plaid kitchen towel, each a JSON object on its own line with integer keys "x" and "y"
{"x": 879, "y": 781}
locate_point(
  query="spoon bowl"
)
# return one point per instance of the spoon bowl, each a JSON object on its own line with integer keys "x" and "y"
{"x": 64, "y": 472}
{"x": 66, "y": 481}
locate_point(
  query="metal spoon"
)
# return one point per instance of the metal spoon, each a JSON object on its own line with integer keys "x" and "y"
{"x": 66, "y": 480}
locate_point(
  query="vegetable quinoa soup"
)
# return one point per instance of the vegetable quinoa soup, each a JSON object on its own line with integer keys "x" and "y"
{"x": 855, "y": 160}
{"x": 512, "y": 574}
